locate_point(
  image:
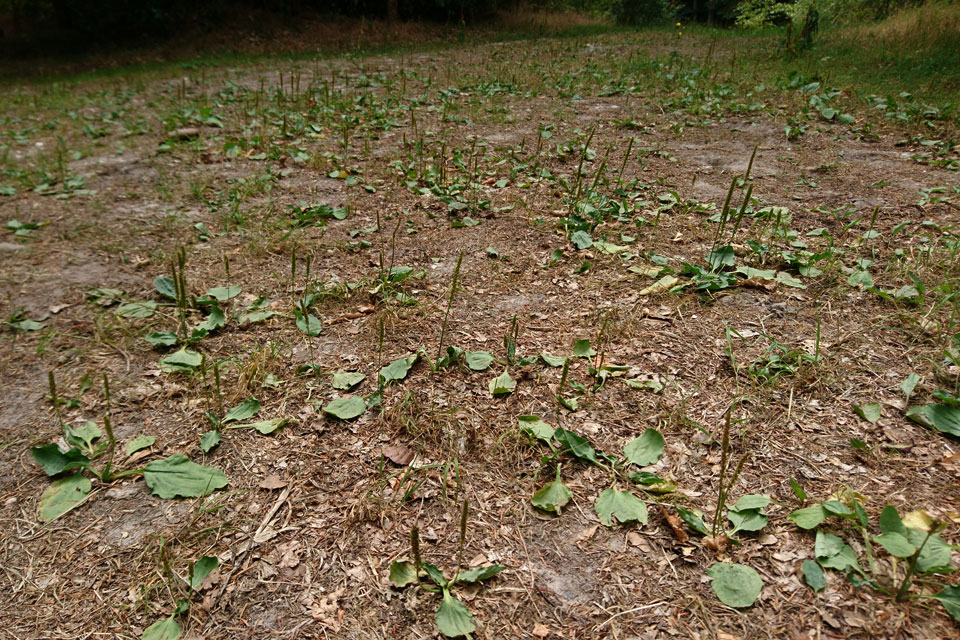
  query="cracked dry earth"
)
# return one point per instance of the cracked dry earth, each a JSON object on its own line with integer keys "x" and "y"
{"x": 469, "y": 151}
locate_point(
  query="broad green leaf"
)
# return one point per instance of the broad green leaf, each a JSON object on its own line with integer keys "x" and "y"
{"x": 747, "y": 519}
{"x": 788, "y": 280}
{"x": 809, "y": 517}
{"x": 398, "y": 369}
{"x": 310, "y": 326}
{"x": 209, "y": 440}
{"x": 435, "y": 573}
{"x": 243, "y": 411}
{"x": 581, "y": 239}
{"x": 813, "y": 575}
{"x": 84, "y": 436}
{"x": 571, "y": 404}
{"x": 165, "y": 287}
{"x": 223, "y": 293}
{"x": 577, "y": 445}
{"x": 346, "y": 408}
{"x": 346, "y": 380}
{"x": 536, "y": 427}
{"x": 255, "y": 316}
{"x": 137, "y": 309}
{"x": 55, "y": 461}
{"x": 177, "y": 476}
{"x": 721, "y": 257}
{"x": 26, "y": 325}
{"x": 895, "y": 544}
{"x": 552, "y": 361}
{"x": 478, "y": 360}
{"x": 693, "y": 519}
{"x": 644, "y": 450}
{"x": 266, "y": 427}
{"x": 201, "y": 569}
{"x": 161, "y": 338}
{"x": 622, "y": 505}
{"x": 751, "y": 501}
{"x": 182, "y": 361}
{"x": 833, "y": 553}
{"x": 936, "y": 554}
{"x": 63, "y": 495}
{"x": 552, "y": 497}
{"x": 860, "y": 277}
{"x": 213, "y": 321}
{"x": 909, "y": 384}
{"x": 453, "y": 618}
{"x": 480, "y": 573}
{"x": 140, "y": 442}
{"x": 581, "y": 349}
{"x": 949, "y": 597}
{"x": 166, "y": 629}
{"x": 402, "y": 573}
{"x": 937, "y": 416}
{"x": 870, "y": 412}
{"x": 650, "y": 385}
{"x": 736, "y": 585}
{"x": 837, "y": 508}
{"x": 502, "y": 385}
{"x": 890, "y": 521}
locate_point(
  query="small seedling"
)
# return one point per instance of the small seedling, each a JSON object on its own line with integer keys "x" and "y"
{"x": 453, "y": 618}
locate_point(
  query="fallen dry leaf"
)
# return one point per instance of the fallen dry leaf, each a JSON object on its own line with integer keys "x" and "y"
{"x": 540, "y": 630}
{"x": 399, "y": 454}
{"x": 271, "y": 482}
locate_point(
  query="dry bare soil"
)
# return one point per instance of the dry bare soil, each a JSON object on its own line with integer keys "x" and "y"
{"x": 583, "y": 181}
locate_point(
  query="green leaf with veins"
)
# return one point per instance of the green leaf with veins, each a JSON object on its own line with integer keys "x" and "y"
{"x": 62, "y": 495}
{"x": 646, "y": 449}
{"x": 736, "y": 585}
{"x": 622, "y": 505}
{"x": 402, "y": 573}
{"x": 243, "y": 411}
{"x": 453, "y": 617}
{"x": 176, "y": 476}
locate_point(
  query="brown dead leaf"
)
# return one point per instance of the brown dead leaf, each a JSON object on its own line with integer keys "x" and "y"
{"x": 398, "y": 453}
{"x": 540, "y": 630}
{"x": 759, "y": 283}
{"x": 675, "y": 524}
{"x": 952, "y": 463}
{"x": 586, "y": 534}
{"x": 718, "y": 544}
{"x": 271, "y": 482}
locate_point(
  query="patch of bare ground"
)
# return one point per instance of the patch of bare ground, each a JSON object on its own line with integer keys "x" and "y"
{"x": 470, "y": 151}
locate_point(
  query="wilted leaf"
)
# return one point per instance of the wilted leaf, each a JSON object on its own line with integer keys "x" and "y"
{"x": 209, "y": 440}
{"x": 870, "y": 412}
{"x": 646, "y": 449}
{"x": 478, "y": 360}
{"x": 140, "y": 442}
{"x": 137, "y": 309}
{"x": 177, "y": 476}
{"x": 223, "y": 293}
{"x": 243, "y": 411}
{"x": 577, "y": 445}
{"x": 552, "y": 361}
{"x": 581, "y": 349}
{"x": 55, "y": 461}
{"x": 402, "y": 573}
{"x": 937, "y": 416}
{"x": 346, "y": 380}
{"x": 480, "y": 573}
{"x": 809, "y": 517}
{"x": 398, "y": 369}
{"x": 63, "y": 495}
{"x": 622, "y": 505}
{"x": 166, "y": 629}
{"x": 736, "y": 585}
{"x": 502, "y": 385}
{"x": 453, "y": 618}
{"x": 201, "y": 569}
{"x": 346, "y": 408}
{"x": 813, "y": 575}
{"x": 552, "y": 497}
{"x": 949, "y": 597}
{"x": 182, "y": 361}
{"x": 266, "y": 427}
{"x": 536, "y": 427}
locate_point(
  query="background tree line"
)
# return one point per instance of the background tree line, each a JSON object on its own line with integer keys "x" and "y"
{"x": 124, "y": 20}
